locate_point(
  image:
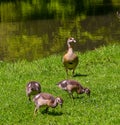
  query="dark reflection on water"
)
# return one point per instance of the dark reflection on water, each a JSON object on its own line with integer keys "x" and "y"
{"x": 40, "y": 38}
{"x": 34, "y": 39}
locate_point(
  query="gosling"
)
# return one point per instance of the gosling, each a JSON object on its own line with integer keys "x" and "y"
{"x": 70, "y": 59}
{"x": 32, "y": 89}
{"x": 72, "y": 86}
{"x": 46, "y": 99}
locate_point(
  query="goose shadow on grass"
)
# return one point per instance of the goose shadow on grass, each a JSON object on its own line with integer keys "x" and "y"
{"x": 78, "y": 97}
{"x": 53, "y": 113}
{"x": 80, "y": 75}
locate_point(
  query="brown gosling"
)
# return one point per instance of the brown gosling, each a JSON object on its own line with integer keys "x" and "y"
{"x": 32, "y": 89}
{"x": 46, "y": 99}
{"x": 70, "y": 59}
{"x": 72, "y": 86}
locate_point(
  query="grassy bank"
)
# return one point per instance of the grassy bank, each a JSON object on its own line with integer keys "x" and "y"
{"x": 101, "y": 73}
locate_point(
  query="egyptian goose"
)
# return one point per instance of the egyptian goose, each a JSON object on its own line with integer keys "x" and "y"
{"x": 32, "y": 88}
{"x": 70, "y": 59}
{"x": 72, "y": 86}
{"x": 46, "y": 99}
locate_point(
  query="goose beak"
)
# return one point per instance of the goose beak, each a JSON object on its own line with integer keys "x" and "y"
{"x": 74, "y": 41}
{"x": 61, "y": 105}
{"x": 88, "y": 93}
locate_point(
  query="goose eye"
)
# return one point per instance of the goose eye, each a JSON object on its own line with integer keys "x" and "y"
{"x": 71, "y": 38}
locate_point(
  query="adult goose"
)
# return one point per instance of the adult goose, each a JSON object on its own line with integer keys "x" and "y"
{"x": 70, "y": 59}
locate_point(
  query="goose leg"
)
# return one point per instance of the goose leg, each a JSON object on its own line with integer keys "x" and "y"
{"x": 36, "y": 109}
{"x": 29, "y": 98}
{"x": 73, "y": 72}
{"x": 71, "y": 96}
{"x": 67, "y": 72}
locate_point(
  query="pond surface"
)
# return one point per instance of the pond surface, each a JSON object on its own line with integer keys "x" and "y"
{"x": 33, "y": 36}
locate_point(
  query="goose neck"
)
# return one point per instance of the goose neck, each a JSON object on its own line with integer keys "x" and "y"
{"x": 70, "y": 50}
{"x": 55, "y": 103}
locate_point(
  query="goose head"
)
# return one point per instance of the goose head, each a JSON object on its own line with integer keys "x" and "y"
{"x": 87, "y": 91}
{"x": 59, "y": 101}
{"x": 70, "y": 41}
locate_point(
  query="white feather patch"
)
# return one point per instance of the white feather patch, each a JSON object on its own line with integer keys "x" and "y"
{"x": 29, "y": 85}
{"x": 36, "y": 84}
{"x": 64, "y": 81}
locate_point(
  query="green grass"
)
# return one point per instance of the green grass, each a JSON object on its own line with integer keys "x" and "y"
{"x": 102, "y": 67}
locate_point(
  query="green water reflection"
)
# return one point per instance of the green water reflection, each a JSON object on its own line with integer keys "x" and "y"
{"x": 35, "y": 29}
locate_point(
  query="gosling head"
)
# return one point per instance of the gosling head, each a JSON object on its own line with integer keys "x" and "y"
{"x": 59, "y": 101}
{"x": 87, "y": 91}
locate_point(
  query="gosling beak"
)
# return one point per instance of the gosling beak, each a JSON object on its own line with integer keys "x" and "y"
{"x": 61, "y": 105}
{"x": 88, "y": 94}
{"x": 87, "y": 91}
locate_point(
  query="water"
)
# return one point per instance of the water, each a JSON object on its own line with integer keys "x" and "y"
{"x": 30, "y": 34}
